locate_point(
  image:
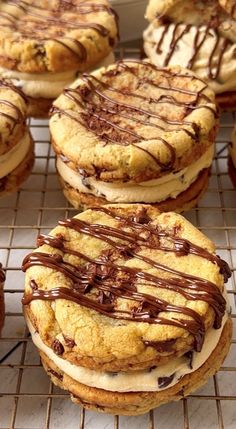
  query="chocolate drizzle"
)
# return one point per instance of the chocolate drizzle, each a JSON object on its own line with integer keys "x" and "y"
{"x": 98, "y": 283}
{"x": 199, "y": 40}
{"x": 55, "y": 22}
{"x": 115, "y": 121}
{"x": 18, "y": 118}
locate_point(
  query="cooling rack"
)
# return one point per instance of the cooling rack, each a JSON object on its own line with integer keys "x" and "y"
{"x": 28, "y": 400}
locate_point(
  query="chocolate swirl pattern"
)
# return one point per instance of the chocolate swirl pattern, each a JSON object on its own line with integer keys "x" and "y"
{"x": 98, "y": 283}
{"x": 18, "y": 118}
{"x": 179, "y": 31}
{"x": 115, "y": 115}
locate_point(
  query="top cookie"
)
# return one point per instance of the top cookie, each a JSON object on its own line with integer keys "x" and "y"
{"x": 55, "y": 35}
{"x": 123, "y": 287}
{"x": 212, "y": 13}
{"x": 13, "y": 107}
{"x": 133, "y": 121}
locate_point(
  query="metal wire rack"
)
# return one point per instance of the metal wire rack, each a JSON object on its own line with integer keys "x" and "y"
{"x": 28, "y": 400}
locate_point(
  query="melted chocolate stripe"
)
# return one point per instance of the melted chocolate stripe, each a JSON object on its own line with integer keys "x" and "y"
{"x": 83, "y": 9}
{"x": 68, "y": 92}
{"x": 9, "y": 85}
{"x": 174, "y": 42}
{"x": 197, "y": 44}
{"x": 163, "y": 99}
{"x": 99, "y": 274}
{"x": 107, "y": 310}
{"x": 13, "y": 106}
{"x": 181, "y": 245}
{"x": 87, "y": 80}
{"x": 52, "y": 21}
{"x": 157, "y": 304}
{"x": 195, "y": 283}
{"x": 202, "y": 283}
{"x": 122, "y": 64}
{"x": 95, "y": 110}
{"x": 172, "y": 284}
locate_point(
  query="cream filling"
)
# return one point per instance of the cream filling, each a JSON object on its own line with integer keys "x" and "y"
{"x": 152, "y": 191}
{"x": 226, "y": 81}
{"x": 11, "y": 159}
{"x": 137, "y": 381}
{"x": 46, "y": 85}
{"x": 233, "y": 148}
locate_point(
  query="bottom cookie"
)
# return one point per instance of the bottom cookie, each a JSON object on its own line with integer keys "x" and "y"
{"x": 232, "y": 171}
{"x": 227, "y": 101}
{"x": 134, "y": 403}
{"x": 13, "y": 180}
{"x": 183, "y": 202}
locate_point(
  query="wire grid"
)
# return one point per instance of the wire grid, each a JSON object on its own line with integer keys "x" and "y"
{"x": 28, "y": 400}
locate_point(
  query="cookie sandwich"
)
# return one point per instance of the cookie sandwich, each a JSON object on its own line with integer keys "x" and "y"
{"x": 135, "y": 133}
{"x": 44, "y": 45}
{"x": 232, "y": 158}
{"x": 16, "y": 145}
{"x": 199, "y": 35}
{"x": 127, "y": 272}
{"x": 2, "y": 306}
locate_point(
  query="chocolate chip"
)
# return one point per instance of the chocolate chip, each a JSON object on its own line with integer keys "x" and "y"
{"x": 151, "y": 368}
{"x": 69, "y": 342}
{"x": 33, "y": 285}
{"x": 161, "y": 346}
{"x": 141, "y": 217}
{"x": 64, "y": 158}
{"x": 189, "y": 355}
{"x": 55, "y": 374}
{"x": 181, "y": 392}
{"x": 165, "y": 381}
{"x": 58, "y": 347}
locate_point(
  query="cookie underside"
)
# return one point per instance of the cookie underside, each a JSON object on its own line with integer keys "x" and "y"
{"x": 139, "y": 402}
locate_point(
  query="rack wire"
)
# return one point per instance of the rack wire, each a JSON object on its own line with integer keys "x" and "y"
{"x": 28, "y": 400}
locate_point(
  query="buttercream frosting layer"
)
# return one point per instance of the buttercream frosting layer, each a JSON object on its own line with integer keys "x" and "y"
{"x": 168, "y": 186}
{"x": 46, "y": 85}
{"x": 136, "y": 381}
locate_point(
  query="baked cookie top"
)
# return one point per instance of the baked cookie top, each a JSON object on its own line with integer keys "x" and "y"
{"x": 133, "y": 121}
{"x": 13, "y": 106}
{"x": 123, "y": 287}
{"x": 212, "y": 13}
{"x": 229, "y": 6}
{"x": 55, "y": 35}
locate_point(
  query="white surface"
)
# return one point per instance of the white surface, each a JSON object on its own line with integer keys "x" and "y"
{"x": 37, "y": 208}
{"x": 131, "y": 18}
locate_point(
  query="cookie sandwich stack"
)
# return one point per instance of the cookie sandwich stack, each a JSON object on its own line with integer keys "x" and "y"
{"x": 199, "y": 35}
{"x": 127, "y": 272}
{"x": 135, "y": 133}
{"x": 16, "y": 144}
{"x": 44, "y": 45}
